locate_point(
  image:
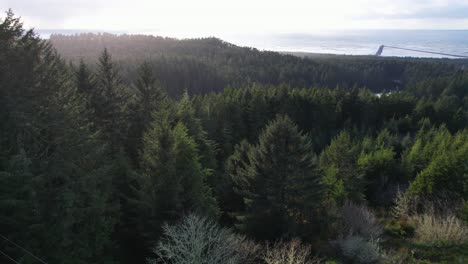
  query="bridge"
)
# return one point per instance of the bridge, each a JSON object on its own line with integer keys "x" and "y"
{"x": 381, "y": 49}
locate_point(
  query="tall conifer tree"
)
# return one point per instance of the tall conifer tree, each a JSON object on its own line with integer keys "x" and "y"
{"x": 52, "y": 155}
{"x": 280, "y": 183}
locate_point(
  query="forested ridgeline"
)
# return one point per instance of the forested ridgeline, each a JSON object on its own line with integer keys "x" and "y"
{"x": 206, "y": 65}
{"x": 100, "y": 167}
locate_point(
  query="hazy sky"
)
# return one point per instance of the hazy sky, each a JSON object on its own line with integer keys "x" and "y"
{"x": 248, "y": 16}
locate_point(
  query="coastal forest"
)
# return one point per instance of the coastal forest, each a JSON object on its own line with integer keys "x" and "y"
{"x": 142, "y": 149}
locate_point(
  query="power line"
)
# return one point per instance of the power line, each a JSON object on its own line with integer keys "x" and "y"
{"x": 379, "y": 52}
{"x": 8, "y": 257}
{"x": 22, "y": 249}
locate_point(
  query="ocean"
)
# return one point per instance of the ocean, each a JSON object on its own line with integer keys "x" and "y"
{"x": 364, "y": 42}
{"x": 350, "y": 42}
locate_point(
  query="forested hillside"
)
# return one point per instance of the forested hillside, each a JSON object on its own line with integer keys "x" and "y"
{"x": 206, "y": 65}
{"x": 139, "y": 149}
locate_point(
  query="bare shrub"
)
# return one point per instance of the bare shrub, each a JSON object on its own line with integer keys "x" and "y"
{"x": 442, "y": 204}
{"x": 435, "y": 230}
{"x": 433, "y": 218}
{"x": 360, "y": 249}
{"x": 292, "y": 252}
{"x": 403, "y": 203}
{"x": 197, "y": 240}
{"x": 359, "y": 220}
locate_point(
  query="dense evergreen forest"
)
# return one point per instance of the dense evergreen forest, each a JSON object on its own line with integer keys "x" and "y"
{"x": 140, "y": 149}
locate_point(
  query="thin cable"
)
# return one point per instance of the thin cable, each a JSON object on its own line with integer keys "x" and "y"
{"x": 8, "y": 257}
{"x": 431, "y": 52}
{"x": 22, "y": 249}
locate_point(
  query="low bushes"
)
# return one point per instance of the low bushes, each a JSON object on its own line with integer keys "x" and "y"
{"x": 432, "y": 230}
{"x": 433, "y": 219}
{"x": 292, "y": 252}
{"x": 197, "y": 240}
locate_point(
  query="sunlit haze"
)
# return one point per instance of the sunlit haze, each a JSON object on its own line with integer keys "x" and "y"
{"x": 214, "y": 17}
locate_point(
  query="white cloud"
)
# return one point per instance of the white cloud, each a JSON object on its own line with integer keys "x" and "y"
{"x": 215, "y": 16}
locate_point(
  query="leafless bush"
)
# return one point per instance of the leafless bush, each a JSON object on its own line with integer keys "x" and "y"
{"x": 435, "y": 230}
{"x": 197, "y": 240}
{"x": 359, "y": 220}
{"x": 361, "y": 234}
{"x": 360, "y": 249}
{"x": 292, "y": 252}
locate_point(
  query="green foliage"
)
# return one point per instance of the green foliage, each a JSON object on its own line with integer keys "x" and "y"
{"x": 400, "y": 228}
{"x": 186, "y": 115}
{"x": 439, "y": 160}
{"x": 377, "y": 165}
{"x": 464, "y": 212}
{"x": 429, "y": 254}
{"x": 342, "y": 177}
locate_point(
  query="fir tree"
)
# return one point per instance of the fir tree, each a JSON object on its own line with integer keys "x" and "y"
{"x": 339, "y": 162}
{"x": 149, "y": 97}
{"x": 65, "y": 190}
{"x": 281, "y": 183}
{"x": 85, "y": 80}
{"x": 110, "y": 101}
{"x": 173, "y": 181}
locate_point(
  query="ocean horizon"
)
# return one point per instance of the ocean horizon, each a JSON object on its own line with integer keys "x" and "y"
{"x": 342, "y": 42}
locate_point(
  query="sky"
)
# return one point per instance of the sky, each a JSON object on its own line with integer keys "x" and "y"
{"x": 202, "y": 17}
